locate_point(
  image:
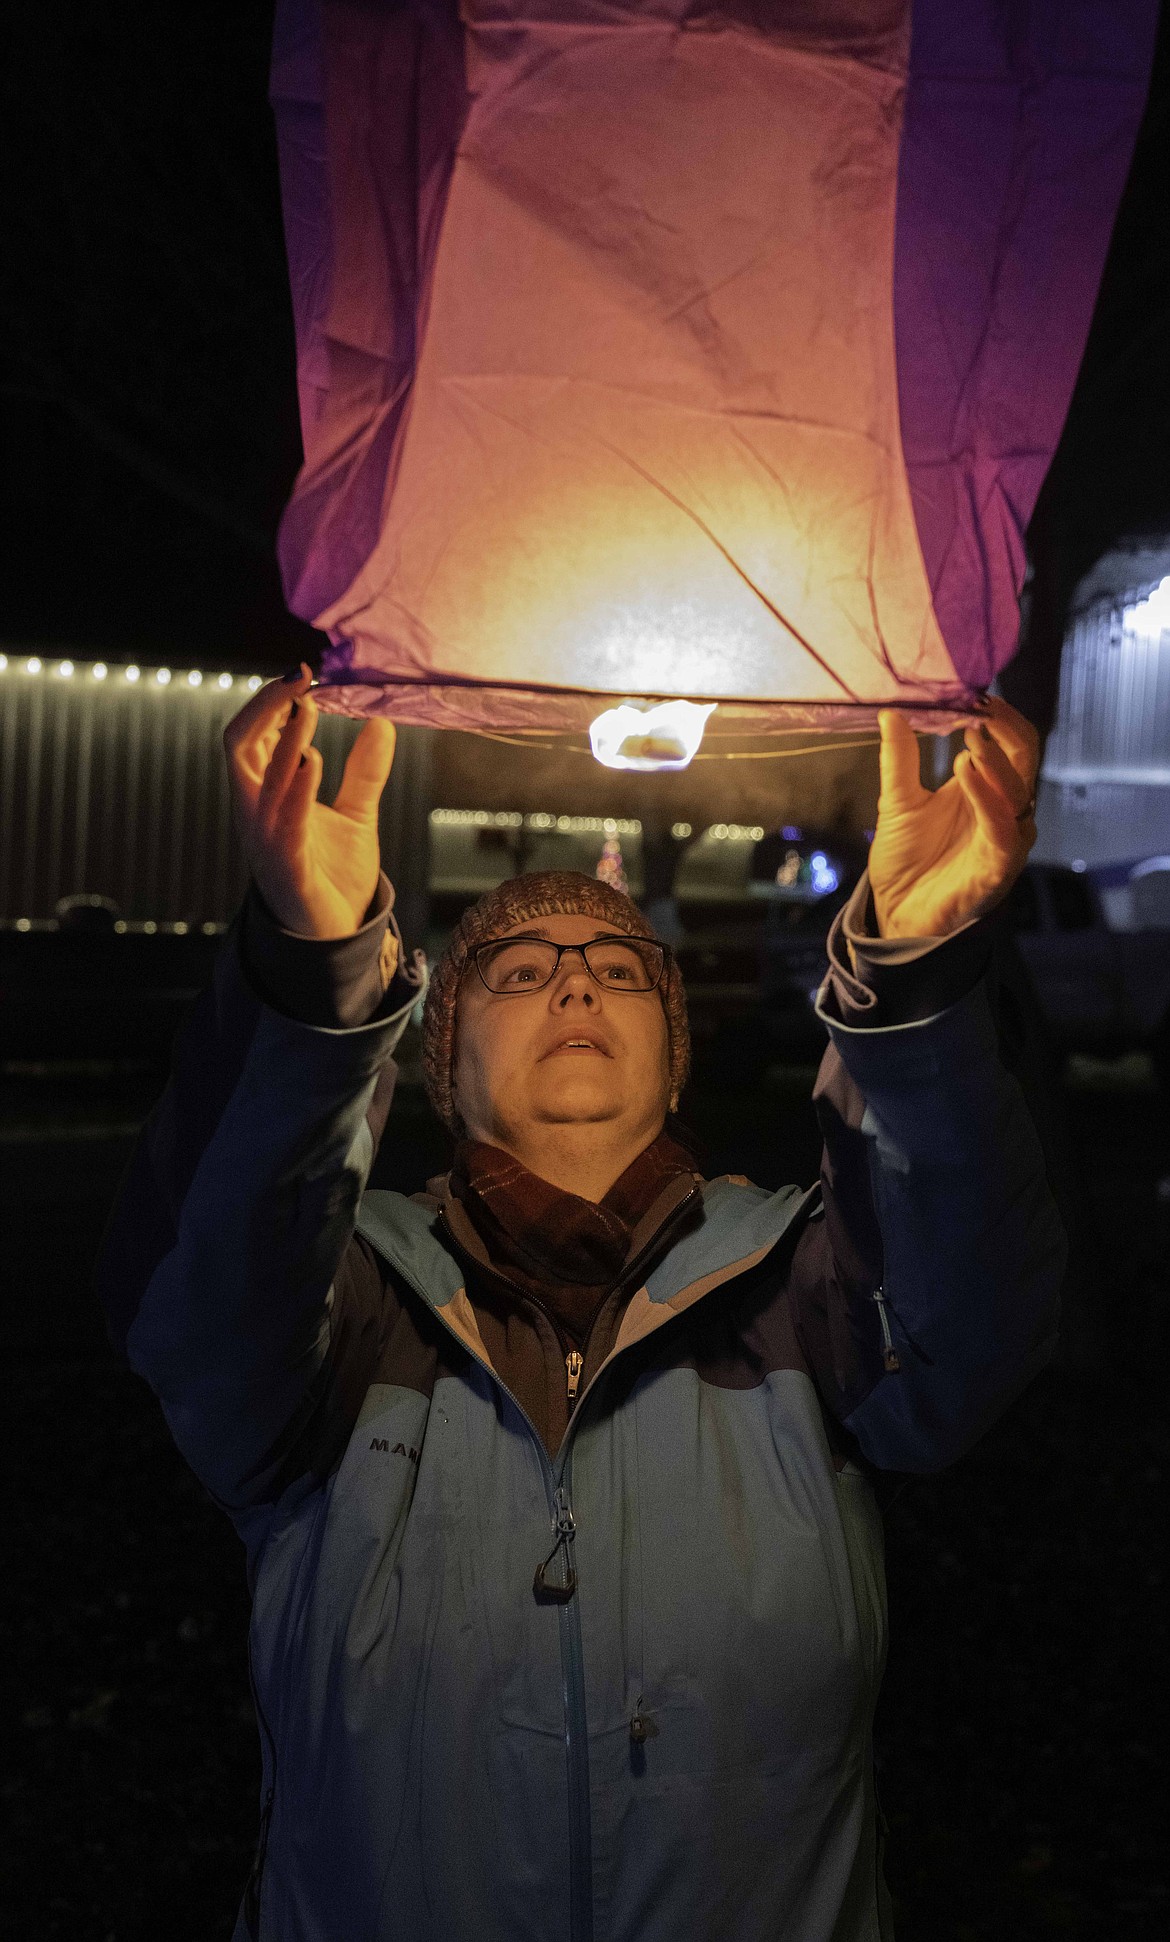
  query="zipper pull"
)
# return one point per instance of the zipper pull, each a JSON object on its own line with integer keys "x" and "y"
{"x": 574, "y": 1363}
{"x": 889, "y": 1352}
{"x": 564, "y": 1526}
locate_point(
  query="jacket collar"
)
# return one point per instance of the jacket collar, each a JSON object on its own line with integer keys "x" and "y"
{"x": 739, "y": 1225}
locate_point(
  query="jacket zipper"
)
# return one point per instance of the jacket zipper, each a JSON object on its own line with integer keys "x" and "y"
{"x": 255, "y": 1880}
{"x": 572, "y": 1657}
{"x": 564, "y": 1525}
{"x": 574, "y": 1363}
{"x": 577, "y": 1755}
{"x": 890, "y": 1355}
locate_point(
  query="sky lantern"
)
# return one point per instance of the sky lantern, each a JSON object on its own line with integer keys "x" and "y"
{"x": 652, "y": 352}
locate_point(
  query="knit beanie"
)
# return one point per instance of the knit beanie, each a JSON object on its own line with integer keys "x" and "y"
{"x": 546, "y": 893}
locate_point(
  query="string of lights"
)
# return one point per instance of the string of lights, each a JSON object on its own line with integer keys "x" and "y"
{"x": 543, "y": 820}
{"x": 67, "y": 670}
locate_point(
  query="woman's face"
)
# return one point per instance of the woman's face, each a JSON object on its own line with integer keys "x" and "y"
{"x": 568, "y": 1053}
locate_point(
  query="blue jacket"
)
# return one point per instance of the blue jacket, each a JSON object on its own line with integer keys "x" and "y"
{"x": 666, "y": 1732}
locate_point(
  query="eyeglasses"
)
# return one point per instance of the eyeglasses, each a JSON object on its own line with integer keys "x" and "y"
{"x": 520, "y": 964}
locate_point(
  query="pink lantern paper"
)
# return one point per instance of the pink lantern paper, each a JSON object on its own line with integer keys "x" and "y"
{"x": 649, "y": 349}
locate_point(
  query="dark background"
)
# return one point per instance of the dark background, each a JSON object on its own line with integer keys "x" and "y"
{"x": 149, "y": 441}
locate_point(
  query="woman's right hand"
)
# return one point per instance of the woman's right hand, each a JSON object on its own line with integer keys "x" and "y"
{"x": 315, "y": 866}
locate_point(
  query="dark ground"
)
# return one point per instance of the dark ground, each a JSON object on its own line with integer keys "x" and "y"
{"x": 1022, "y": 1761}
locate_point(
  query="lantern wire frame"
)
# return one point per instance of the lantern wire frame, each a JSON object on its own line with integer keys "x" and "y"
{"x": 571, "y": 742}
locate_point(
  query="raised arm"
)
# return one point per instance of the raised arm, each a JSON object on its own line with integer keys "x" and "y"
{"x": 228, "y": 1272}
{"x": 927, "y": 1295}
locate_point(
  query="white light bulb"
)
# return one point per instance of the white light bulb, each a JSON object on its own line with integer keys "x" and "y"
{"x": 3, "y": 664}
{"x": 133, "y": 673}
{"x": 194, "y": 679}
{"x": 254, "y": 682}
{"x": 162, "y": 676}
{"x": 33, "y": 664}
{"x": 664, "y": 735}
{"x": 1150, "y": 616}
{"x": 65, "y": 670}
{"x": 99, "y": 670}
{"x": 224, "y": 681}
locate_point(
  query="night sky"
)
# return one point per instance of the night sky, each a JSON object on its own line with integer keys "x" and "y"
{"x": 150, "y": 428}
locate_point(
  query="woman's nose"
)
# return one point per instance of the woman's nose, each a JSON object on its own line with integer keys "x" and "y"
{"x": 574, "y": 981}
{"x": 576, "y": 985}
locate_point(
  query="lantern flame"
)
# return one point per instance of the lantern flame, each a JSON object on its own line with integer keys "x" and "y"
{"x": 662, "y": 735}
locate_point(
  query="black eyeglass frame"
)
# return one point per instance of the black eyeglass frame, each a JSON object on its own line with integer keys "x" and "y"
{"x": 625, "y": 937}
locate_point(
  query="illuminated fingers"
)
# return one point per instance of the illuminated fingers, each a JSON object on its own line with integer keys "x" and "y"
{"x": 995, "y": 811}
{"x": 251, "y": 737}
{"x": 1015, "y": 735}
{"x": 995, "y": 765}
{"x": 291, "y": 747}
{"x": 367, "y": 768}
{"x": 303, "y": 785}
{"x": 901, "y": 783}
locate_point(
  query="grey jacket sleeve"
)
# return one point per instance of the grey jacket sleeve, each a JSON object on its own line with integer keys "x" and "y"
{"x": 927, "y": 1294}
{"x": 228, "y": 1270}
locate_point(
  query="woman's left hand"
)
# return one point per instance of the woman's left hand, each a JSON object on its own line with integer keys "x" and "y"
{"x": 941, "y": 857}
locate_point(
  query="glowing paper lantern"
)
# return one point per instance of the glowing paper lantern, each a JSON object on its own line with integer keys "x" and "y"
{"x": 649, "y": 349}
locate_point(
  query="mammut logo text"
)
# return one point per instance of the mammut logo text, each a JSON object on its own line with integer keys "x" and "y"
{"x": 398, "y": 1449}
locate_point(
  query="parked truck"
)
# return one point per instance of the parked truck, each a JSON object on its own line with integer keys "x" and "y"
{"x": 1100, "y": 989}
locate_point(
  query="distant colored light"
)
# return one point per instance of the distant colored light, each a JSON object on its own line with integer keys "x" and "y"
{"x": 33, "y": 664}
{"x": 162, "y": 676}
{"x": 150, "y": 927}
{"x": 680, "y": 831}
{"x": 99, "y": 670}
{"x": 224, "y": 681}
{"x": 254, "y": 681}
{"x": 1078, "y": 864}
{"x": 791, "y": 833}
{"x": 133, "y": 673}
{"x": 24, "y": 923}
{"x": 180, "y": 929}
{"x": 65, "y": 670}
{"x": 664, "y": 736}
{"x": 194, "y": 679}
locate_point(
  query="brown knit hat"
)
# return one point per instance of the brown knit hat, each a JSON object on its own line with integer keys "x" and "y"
{"x": 546, "y": 893}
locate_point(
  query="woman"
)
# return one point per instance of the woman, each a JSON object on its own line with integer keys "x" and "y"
{"x": 557, "y": 1481}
